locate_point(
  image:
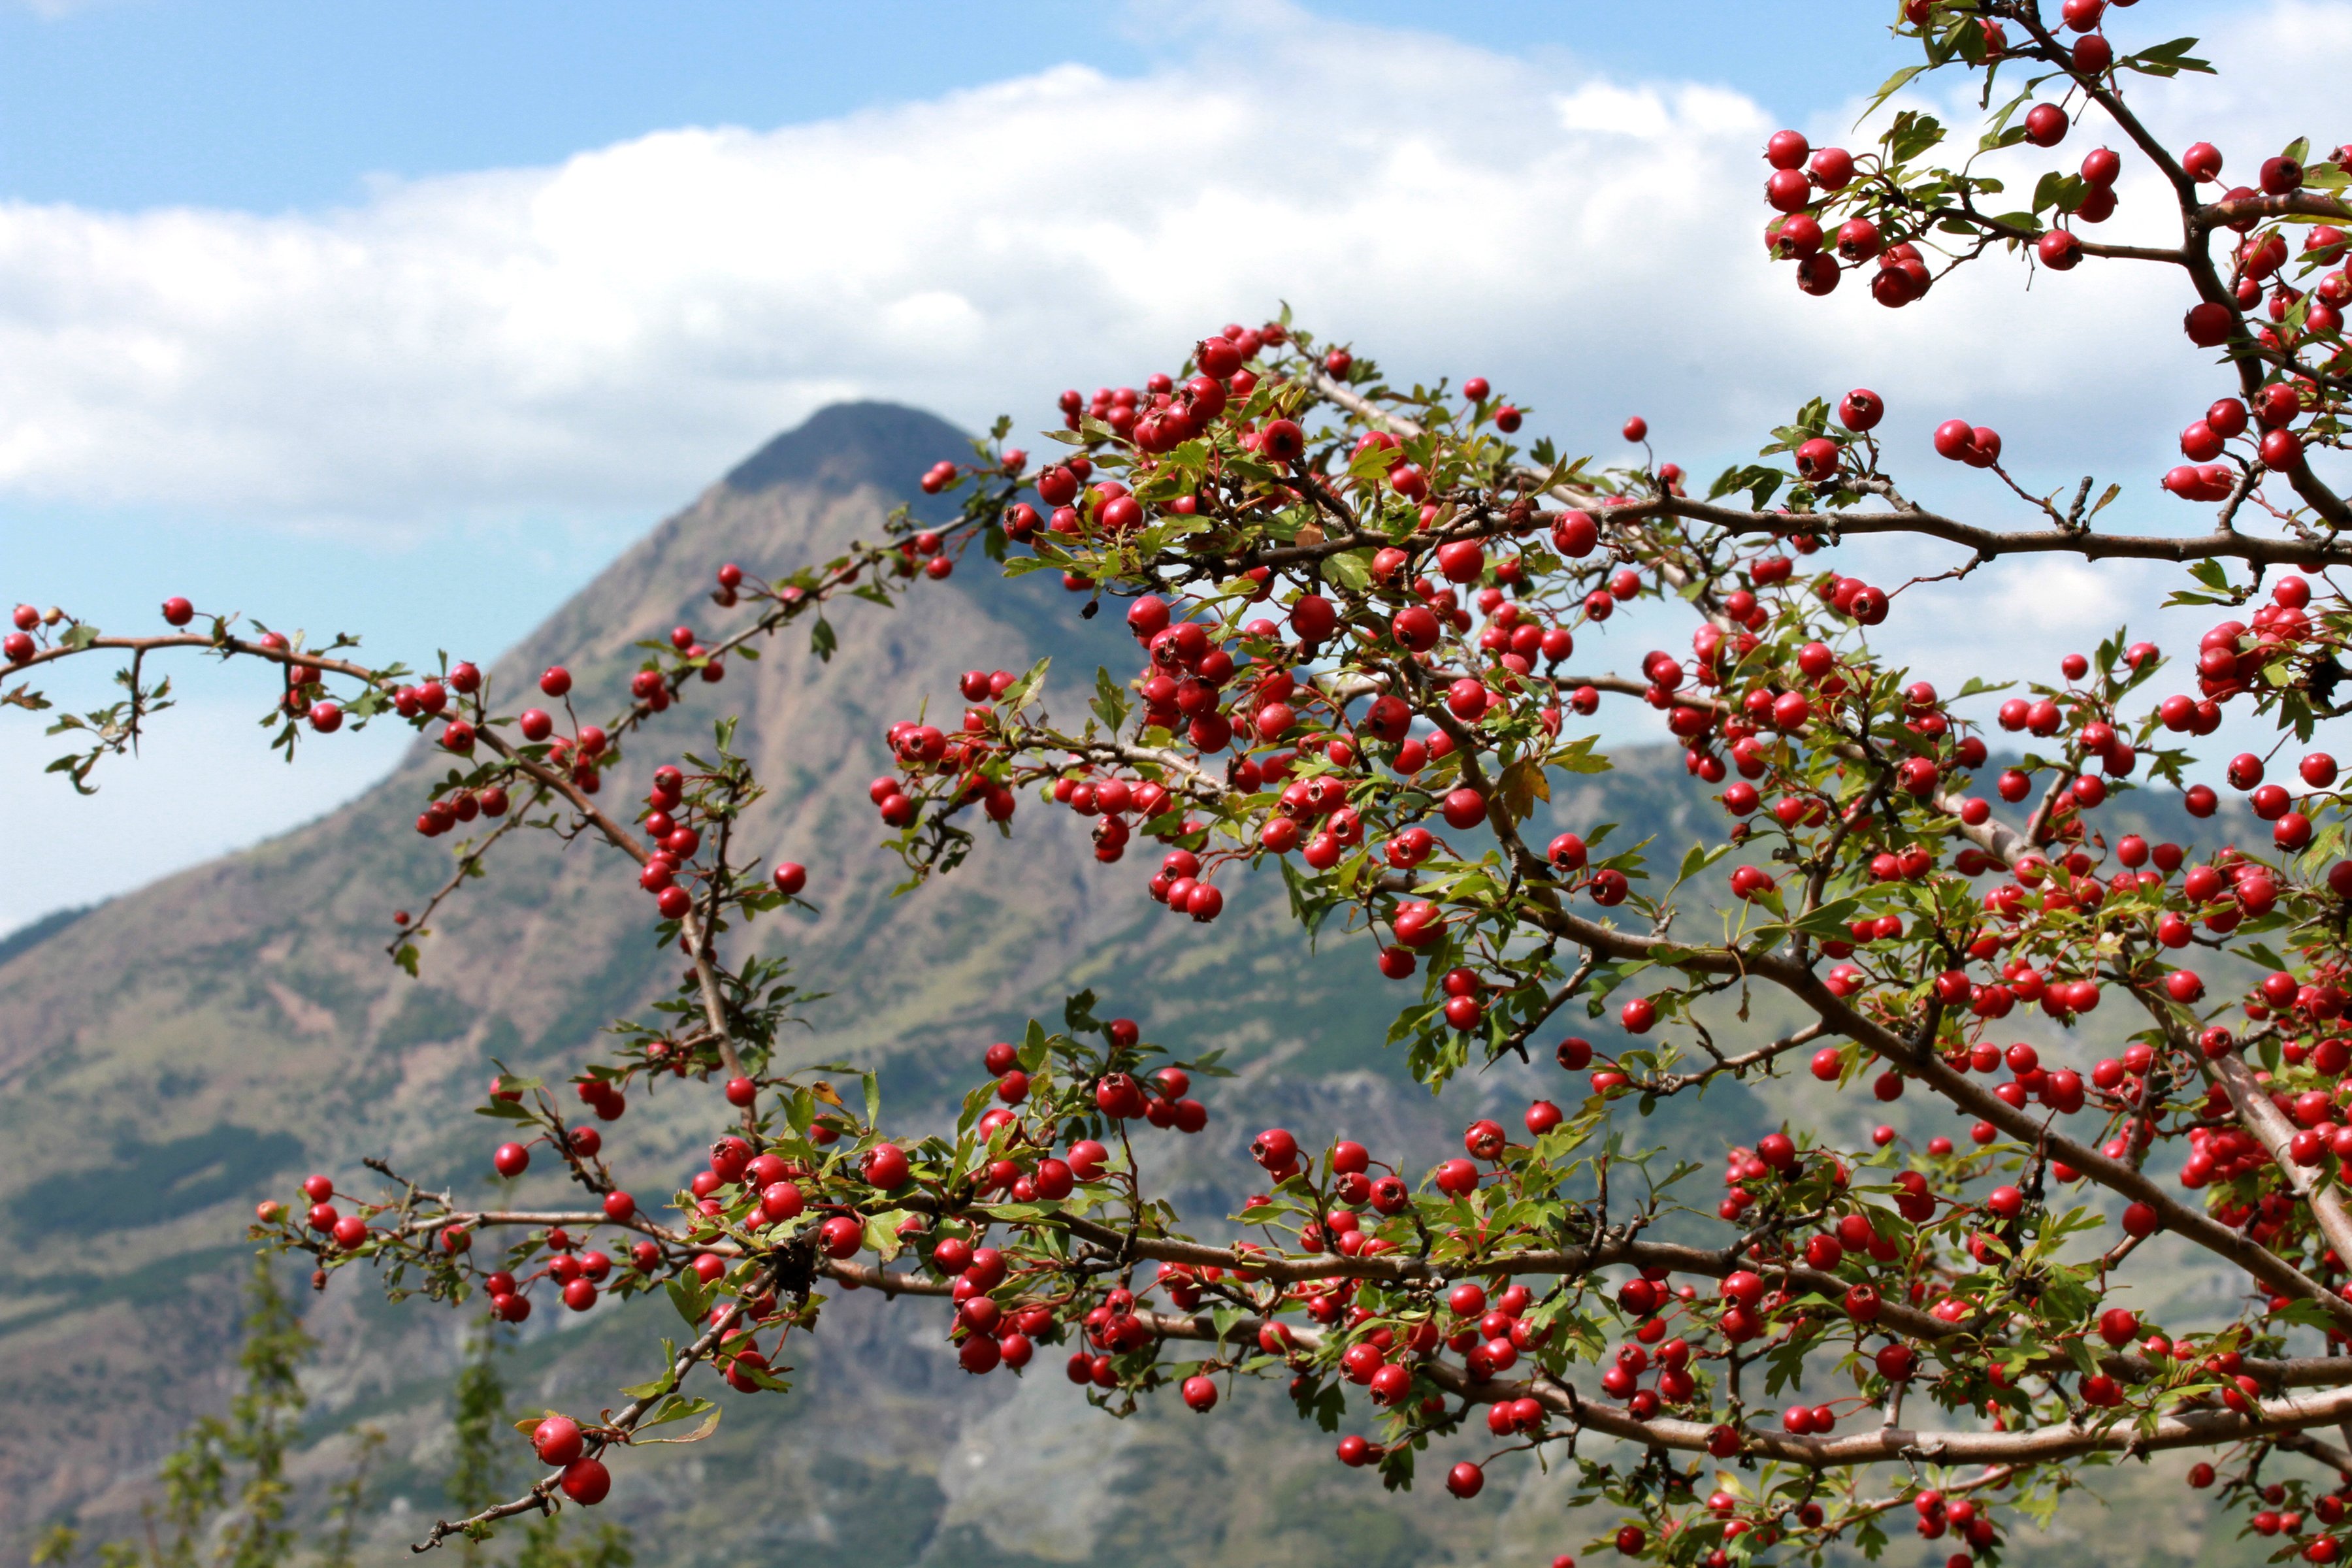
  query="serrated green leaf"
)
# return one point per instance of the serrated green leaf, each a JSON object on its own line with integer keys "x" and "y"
{"x": 692, "y": 1300}
{"x": 679, "y": 1407}
{"x": 1022, "y": 692}
{"x": 1887, "y": 89}
{"x": 882, "y": 1233}
{"x": 1110, "y": 704}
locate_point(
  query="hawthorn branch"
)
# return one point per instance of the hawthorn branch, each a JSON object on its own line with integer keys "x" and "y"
{"x": 2266, "y": 1122}
{"x": 1675, "y": 1082}
{"x": 2255, "y": 209}
{"x": 1990, "y": 544}
{"x": 469, "y": 865}
{"x": 2042, "y": 1445}
{"x": 619, "y": 1430}
{"x": 1925, "y": 1065}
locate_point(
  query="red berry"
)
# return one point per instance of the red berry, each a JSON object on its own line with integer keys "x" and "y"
{"x": 558, "y": 1440}
{"x": 587, "y": 1481}
{"x": 887, "y": 1167}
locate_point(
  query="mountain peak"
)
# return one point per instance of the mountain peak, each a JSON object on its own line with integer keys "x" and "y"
{"x": 846, "y": 445}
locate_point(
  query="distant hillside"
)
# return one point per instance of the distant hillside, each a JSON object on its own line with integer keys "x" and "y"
{"x": 169, "y": 1056}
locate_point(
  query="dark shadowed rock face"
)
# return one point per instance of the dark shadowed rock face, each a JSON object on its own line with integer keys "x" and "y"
{"x": 849, "y": 446}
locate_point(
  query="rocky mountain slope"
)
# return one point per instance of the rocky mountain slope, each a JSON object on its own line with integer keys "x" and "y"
{"x": 169, "y": 1056}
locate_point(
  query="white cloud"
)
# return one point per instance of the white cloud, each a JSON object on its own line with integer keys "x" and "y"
{"x": 1617, "y": 111}
{"x": 623, "y": 325}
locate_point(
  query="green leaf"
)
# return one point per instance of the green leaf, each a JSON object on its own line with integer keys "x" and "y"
{"x": 1887, "y": 89}
{"x": 1913, "y": 133}
{"x": 1698, "y": 858}
{"x": 1023, "y": 691}
{"x": 692, "y": 1301}
{"x": 678, "y": 1407}
{"x": 882, "y": 1233}
{"x": 1579, "y": 757}
{"x": 652, "y": 1390}
{"x": 1758, "y": 479}
{"x": 1110, "y": 704}
{"x": 2165, "y": 60}
{"x": 1831, "y": 920}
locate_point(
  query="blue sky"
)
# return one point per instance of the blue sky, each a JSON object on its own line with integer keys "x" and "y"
{"x": 261, "y": 107}
{"x": 403, "y": 319}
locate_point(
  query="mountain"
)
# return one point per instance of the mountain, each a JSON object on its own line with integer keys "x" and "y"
{"x": 170, "y": 1055}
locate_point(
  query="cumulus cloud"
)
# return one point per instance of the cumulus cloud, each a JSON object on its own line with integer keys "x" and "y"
{"x": 620, "y": 326}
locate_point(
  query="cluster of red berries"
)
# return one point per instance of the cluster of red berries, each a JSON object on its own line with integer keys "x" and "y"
{"x": 347, "y": 1231}
{"x": 921, "y": 748}
{"x": 1114, "y": 1327}
{"x": 986, "y": 1335}
{"x": 2233, "y": 658}
{"x": 2269, "y": 429}
{"x": 460, "y": 805}
{"x": 1162, "y": 417}
{"x": 579, "y": 752}
{"x": 1977, "y": 445}
{"x": 1167, "y": 1103}
{"x": 990, "y": 1333}
{"x": 558, "y": 1442}
{"x": 2329, "y": 1509}
{"x": 1939, "y": 1515}
{"x": 1110, "y": 801}
{"x": 578, "y": 1271}
{"x": 17, "y": 646}
{"x": 1798, "y": 173}
{"x": 925, "y": 551}
{"x": 676, "y": 844}
{"x": 2257, "y": 268}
